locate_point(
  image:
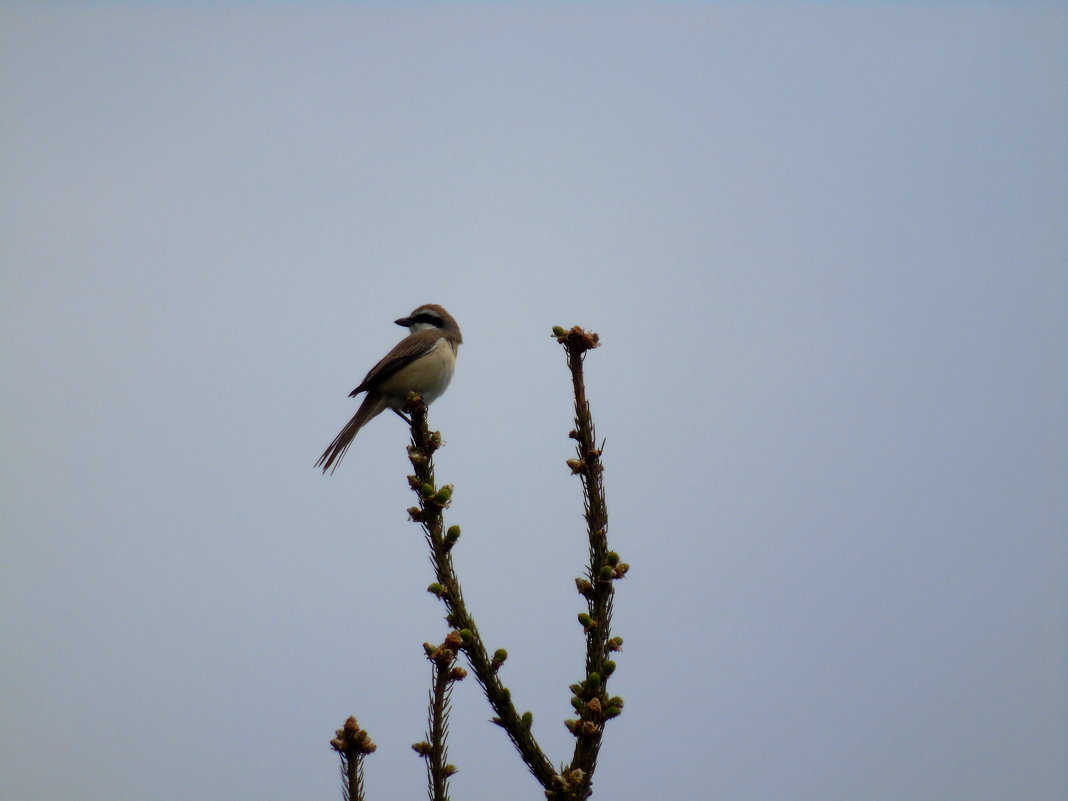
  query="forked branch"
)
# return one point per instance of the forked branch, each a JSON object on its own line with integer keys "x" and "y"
{"x": 590, "y": 698}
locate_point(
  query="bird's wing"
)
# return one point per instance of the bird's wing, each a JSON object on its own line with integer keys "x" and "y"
{"x": 404, "y": 353}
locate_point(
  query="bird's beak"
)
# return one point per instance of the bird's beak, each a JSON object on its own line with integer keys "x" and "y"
{"x": 404, "y": 321}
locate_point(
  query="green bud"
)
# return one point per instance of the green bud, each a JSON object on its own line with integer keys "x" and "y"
{"x": 575, "y": 688}
{"x": 527, "y": 719}
{"x": 444, "y": 494}
{"x": 500, "y": 655}
{"x": 593, "y": 680}
{"x": 585, "y": 619}
{"x": 612, "y": 558}
{"x": 559, "y": 330}
{"x": 612, "y": 712}
{"x": 467, "y": 635}
{"x": 453, "y": 533}
{"x": 615, "y": 700}
{"x": 609, "y": 667}
{"x": 571, "y": 724}
{"x": 577, "y": 703}
{"x": 426, "y": 490}
{"x": 605, "y": 573}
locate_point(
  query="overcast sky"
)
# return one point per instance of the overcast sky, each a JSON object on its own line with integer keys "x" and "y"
{"x": 824, "y": 245}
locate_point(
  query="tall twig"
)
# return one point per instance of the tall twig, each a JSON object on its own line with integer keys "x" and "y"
{"x": 591, "y": 699}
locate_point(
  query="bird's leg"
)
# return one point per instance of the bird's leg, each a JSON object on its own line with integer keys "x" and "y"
{"x": 402, "y": 416}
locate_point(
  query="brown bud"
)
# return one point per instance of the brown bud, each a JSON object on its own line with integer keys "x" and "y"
{"x": 454, "y": 640}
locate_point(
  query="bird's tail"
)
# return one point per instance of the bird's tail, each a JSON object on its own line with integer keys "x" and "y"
{"x": 372, "y": 405}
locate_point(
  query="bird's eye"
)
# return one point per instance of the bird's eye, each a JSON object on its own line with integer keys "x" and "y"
{"x": 428, "y": 318}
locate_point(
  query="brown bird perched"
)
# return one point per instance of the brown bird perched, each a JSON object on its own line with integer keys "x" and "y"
{"x": 422, "y": 362}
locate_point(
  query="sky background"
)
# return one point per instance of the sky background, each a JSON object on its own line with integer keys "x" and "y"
{"x": 824, "y": 245}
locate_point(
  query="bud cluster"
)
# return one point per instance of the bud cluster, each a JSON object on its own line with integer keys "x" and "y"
{"x": 351, "y": 740}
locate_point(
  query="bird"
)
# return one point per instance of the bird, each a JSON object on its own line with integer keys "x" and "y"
{"x": 422, "y": 362}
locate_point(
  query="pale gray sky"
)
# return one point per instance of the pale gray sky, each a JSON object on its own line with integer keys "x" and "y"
{"x": 825, "y": 247}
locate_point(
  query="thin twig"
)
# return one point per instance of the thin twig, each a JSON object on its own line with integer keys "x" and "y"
{"x": 591, "y": 699}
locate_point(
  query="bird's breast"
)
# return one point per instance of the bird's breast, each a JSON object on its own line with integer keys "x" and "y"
{"x": 429, "y": 375}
